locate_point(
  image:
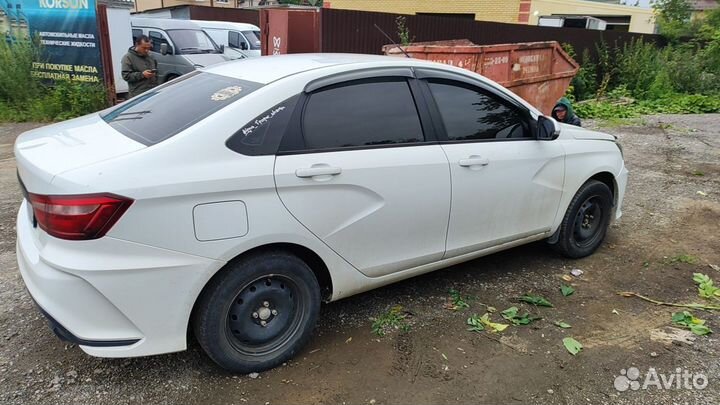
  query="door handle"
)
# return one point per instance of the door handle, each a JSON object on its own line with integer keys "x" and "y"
{"x": 474, "y": 160}
{"x": 318, "y": 171}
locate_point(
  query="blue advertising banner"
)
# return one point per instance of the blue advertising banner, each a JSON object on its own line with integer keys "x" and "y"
{"x": 66, "y": 30}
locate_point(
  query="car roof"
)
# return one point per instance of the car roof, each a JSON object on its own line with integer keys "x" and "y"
{"x": 226, "y": 25}
{"x": 268, "y": 69}
{"x": 163, "y": 23}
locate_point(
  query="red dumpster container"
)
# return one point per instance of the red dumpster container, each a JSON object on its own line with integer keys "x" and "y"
{"x": 289, "y": 30}
{"x": 539, "y": 72}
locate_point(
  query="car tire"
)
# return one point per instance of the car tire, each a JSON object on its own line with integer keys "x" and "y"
{"x": 258, "y": 312}
{"x": 586, "y": 220}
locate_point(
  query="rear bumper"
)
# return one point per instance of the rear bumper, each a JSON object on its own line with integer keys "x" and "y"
{"x": 112, "y": 297}
{"x": 64, "y": 334}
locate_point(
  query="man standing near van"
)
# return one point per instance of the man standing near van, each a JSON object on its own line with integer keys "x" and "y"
{"x": 139, "y": 69}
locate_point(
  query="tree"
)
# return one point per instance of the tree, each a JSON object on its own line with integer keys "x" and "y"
{"x": 673, "y": 10}
{"x": 673, "y": 19}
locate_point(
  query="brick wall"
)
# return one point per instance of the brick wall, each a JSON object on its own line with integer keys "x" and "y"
{"x": 484, "y": 10}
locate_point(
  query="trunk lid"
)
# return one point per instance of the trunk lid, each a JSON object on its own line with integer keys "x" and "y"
{"x": 46, "y": 152}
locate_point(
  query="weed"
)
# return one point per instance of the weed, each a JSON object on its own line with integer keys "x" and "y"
{"x": 683, "y": 258}
{"x": 706, "y": 287}
{"x": 456, "y": 301}
{"x": 403, "y": 32}
{"x": 394, "y": 318}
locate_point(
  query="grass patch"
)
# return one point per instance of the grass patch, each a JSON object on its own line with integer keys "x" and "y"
{"x": 615, "y": 112}
{"x": 683, "y": 258}
{"x": 394, "y": 319}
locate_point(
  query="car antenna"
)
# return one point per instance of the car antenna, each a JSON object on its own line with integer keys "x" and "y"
{"x": 391, "y": 40}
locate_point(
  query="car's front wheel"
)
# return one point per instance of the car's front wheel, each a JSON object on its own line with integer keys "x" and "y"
{"x": 585, "y": 223}
{"x": 258, "y": 312}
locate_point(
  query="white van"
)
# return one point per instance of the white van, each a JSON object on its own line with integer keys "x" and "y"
{"x": 179, "y": 46}
{"x": 240, "y": 36}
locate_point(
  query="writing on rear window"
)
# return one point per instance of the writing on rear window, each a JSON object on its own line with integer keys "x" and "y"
{"x": 248, "y": 130}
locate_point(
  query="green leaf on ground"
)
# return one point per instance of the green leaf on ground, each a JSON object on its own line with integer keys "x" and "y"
{"x": 480, "y": 323}
{"x": 475, "y": 324}
{"x": 566, "y": 290}
{"x": 688, "y": 321}
{"x": 511, "y": 314}
{"x": 536, "y": 300}
{"x": 562, "y": 324}
{"x": 572, "y": 345}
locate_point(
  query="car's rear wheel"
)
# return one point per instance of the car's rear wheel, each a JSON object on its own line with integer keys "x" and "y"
{"x": 585, "y": 223}
{"x": 258, "y": 312}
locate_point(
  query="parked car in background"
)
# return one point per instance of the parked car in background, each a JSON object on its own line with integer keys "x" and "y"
{"x": 245, "y": 37}
{"x": 233, "y": 200}
{"x": 179, "y": 46}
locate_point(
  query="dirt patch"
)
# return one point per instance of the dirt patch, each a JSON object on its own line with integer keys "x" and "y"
{"x": 438, "y": 360}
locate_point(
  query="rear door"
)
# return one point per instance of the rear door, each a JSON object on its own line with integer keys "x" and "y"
{"x": 361, "y": 170}
{"x": 506, "y": 185}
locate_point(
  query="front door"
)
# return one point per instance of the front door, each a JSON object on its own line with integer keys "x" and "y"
{"x": 506, "y": 185}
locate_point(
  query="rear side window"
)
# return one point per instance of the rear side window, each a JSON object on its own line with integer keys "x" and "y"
{"x": 163, "y": 112}
{"x": 362, "y": 113}
{"x": 471, "y": 113}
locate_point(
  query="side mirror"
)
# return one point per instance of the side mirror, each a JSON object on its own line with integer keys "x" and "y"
{"x": 222, "y": 48}
{"x": 165, "y": 49}
{"x": 244, "y": 46}
{"x": 547, "y": 128}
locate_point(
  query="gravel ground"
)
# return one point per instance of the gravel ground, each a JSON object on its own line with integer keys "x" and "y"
{"x": 672, "y": 208}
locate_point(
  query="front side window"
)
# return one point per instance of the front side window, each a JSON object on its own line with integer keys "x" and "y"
{"x": 362, "y": 113}
{"x": 165, "y": 111}
{"x": 157, "y": 39}
{"x": 235, "y": 39}
{"x": 135, "y": 34}
{"x": 192, "y": 41}
{"x": 254, "y": 38}
{"x": 470, "y": 113}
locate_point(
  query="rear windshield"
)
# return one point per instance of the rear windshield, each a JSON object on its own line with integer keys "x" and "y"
{"x": 163, "y": 112}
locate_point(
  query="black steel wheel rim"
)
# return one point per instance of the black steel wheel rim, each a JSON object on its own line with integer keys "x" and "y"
{"x": 588, "y": 221}
{"x": 264, "y": 315}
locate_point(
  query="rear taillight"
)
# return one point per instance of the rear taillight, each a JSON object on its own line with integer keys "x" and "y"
{"x": 78, "y": 217}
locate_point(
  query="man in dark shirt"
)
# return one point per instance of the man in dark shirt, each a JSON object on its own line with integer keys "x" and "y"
{"x": 139, "y": 69}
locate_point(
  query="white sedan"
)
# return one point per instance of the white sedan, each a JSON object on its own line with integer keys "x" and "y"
{"x": 234, "y": 200}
